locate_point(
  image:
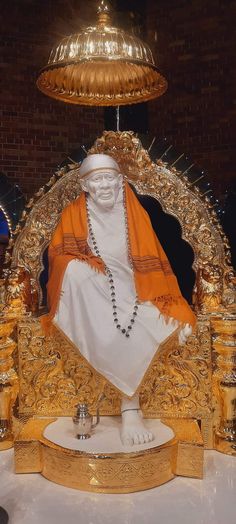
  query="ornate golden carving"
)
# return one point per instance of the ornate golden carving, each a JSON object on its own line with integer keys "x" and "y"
{"x": 54, "y": 377}
{"x": 8, "y": 381}
{"x": 209, "y": 288}
{"x": 224, "y": 381}
{"x": 179, "y": 381}
{"x": 207, "y": 431}
{"x": 229, "y": 296}
{"x": 113, "y": 472}
{"x": 126, "y": 148}
{"x": 21, "y": 294}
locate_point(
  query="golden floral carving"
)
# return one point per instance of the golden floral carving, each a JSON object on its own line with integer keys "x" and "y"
{"x": 209, "y": 288}
{"x": 21, "y": 293}
{"x": 8, "y": 380}
{"x": 179, "y": 381}
{"x": 229, "y": 295}
{"x": 224, "y": 381}
{"x": 54, "y": 377}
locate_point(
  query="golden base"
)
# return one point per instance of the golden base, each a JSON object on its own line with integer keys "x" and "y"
{"x": 112, "y": 472}
{"x": 225, "y": 444}
{"x": 6, "y": 444}
{"x": 6, "y": 436}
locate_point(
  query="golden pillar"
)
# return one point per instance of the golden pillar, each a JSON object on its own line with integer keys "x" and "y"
{"x": 224, "y": 346}
{"x": 8, "y": 381}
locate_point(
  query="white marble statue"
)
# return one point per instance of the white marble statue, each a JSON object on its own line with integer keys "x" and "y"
{"x": 99, "y": 308}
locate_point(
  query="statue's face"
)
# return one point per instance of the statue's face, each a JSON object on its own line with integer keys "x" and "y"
{"x": 103, "y": 188}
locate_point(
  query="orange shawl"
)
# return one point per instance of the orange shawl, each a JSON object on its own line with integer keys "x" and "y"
{"x": 154, "y": 278}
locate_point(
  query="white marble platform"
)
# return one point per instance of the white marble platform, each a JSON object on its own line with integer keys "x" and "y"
{"x": 105, "y": 437}
{"x": 31, "y": 499}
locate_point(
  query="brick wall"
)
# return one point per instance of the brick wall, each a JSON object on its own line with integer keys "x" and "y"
{"x": 36, "y": 132}
{"x": 194, "y": 43}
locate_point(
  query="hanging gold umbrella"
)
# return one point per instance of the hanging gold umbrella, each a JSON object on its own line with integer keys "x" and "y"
{"x": 101, "y": 66}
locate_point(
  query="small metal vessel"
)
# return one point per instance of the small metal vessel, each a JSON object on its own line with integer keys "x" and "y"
{"x": 83, "y": 422}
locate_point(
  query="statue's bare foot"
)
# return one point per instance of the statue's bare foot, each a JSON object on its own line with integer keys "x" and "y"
{"x": 133, "y": 430}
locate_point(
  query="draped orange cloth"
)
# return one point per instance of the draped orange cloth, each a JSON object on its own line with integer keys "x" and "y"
{"x": 153, "y": 276}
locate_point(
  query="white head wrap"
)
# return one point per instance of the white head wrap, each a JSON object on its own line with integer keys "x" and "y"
{"x": 98, "y": 163}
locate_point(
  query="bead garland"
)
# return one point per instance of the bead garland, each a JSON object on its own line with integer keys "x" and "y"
{"x": 125, "y": 331}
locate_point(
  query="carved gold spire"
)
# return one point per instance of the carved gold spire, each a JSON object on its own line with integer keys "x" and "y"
{"x": 101, "y": 66}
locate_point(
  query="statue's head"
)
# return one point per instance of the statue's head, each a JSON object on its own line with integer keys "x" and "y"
{"x": 100, "y": 177}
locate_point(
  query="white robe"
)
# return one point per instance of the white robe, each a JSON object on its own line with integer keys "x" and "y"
{"x": 85, "y": 311}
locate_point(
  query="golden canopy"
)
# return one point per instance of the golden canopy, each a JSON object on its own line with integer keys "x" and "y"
{"x": 101, "y": 66}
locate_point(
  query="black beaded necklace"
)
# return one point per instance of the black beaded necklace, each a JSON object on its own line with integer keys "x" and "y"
{"x": 125, "y": 331}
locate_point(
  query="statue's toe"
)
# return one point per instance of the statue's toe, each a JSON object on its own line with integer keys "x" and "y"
{"x": 142, "y": 438}
{"x": 127, "y": 440}
{"x": 147, "y": 438}
{"x": 150, "y": 436}
{"x": 137, "y": 438}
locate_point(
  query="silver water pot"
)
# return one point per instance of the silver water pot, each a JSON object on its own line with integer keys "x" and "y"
{"x": 83, "y": 422}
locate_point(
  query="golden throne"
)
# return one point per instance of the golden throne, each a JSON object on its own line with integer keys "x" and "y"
{"x": 191, "y": 388}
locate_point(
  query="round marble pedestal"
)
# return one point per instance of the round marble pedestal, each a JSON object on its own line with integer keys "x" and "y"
{"x": 105, "y": 437}
{"x": 101, "y": 463}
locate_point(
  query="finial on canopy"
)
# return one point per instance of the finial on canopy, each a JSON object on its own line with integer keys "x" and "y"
{"x": 103, "y": 12}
